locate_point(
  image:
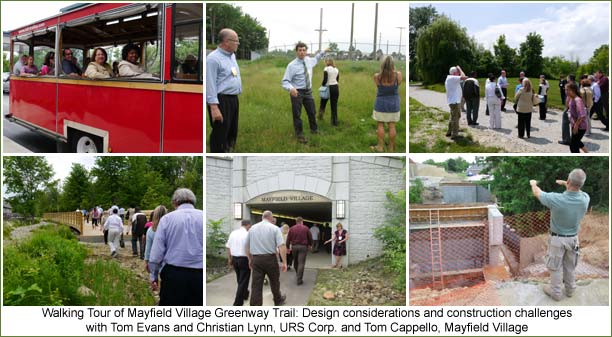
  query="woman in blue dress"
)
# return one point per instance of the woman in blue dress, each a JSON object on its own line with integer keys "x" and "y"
{"x": 387, "y": 104}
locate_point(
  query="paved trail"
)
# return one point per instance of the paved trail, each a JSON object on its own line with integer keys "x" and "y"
{"x": 544, "y": 134}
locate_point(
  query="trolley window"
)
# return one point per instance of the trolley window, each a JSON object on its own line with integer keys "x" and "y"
{"x": 187, "y": 47}
{"x": 39, "y": 44}
{"x": 136, "y": 25}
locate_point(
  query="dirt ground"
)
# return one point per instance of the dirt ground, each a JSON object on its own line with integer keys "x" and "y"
{"x": 594, "y": 257}
{"x": 100, "y": 251}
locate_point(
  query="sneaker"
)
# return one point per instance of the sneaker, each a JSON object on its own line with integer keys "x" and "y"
{"x": 282, "y": 300}
{"x": 548, "y": 291}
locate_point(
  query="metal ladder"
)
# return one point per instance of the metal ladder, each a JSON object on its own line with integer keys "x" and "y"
{"x": 435, "y": 241}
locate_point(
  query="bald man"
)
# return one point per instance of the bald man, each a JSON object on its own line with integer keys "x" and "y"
{"x": 566, "y": 212}
{"x": 223, "y": 85}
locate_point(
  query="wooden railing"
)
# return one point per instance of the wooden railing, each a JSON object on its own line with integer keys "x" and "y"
{"x": 72, "y": 219}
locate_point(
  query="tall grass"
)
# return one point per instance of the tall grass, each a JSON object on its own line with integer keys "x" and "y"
{"x": 49, "y": 268}
{"x": 266, "y": 124}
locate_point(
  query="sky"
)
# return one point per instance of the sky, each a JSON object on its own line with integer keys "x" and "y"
{"x": 440, "y": 157}
{"x": 288, "y": 22}
{"x": 62, "y": 163}
{"x": 573, "y": 30}
{"x": 16, "y": 14}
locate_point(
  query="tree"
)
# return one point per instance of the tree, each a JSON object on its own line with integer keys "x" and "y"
{"x": 505, "y": 56}
{"x": 25, "y": 178}
{"x": 253, "y": 36}
{"x": 531, "y": 55}
{"x": 109, "y": 173}
{"x": 440, "y": 46}
{"x": 76, "y": 189}
{"x": 333, "y": 47}
{"x": 511, "y": 177}
{"x": 600, "y": 59}
{"x": 419, "y": 17}
{"x": 557, "y": 66}
{"x": 486, "y": 63}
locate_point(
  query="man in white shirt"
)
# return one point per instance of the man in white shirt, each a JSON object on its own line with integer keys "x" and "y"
{"x": 453, "y": 98}
{"x": 502, "y": 81}
{"x": 237, "y": 259}
{"x": 314, "y": 232}
{"x": 114, "y": 226}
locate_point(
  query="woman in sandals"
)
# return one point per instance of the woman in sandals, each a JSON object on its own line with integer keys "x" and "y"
{"x": 387, "y": 104}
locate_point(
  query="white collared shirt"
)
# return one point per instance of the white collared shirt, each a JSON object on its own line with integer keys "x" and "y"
{"x": 237, "y": 242}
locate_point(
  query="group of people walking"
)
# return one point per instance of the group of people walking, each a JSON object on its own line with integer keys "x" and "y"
{"x": 255, "y": 251}
{"x": 224, "y": 85}
{"x": 170, "y": 243}
{"x": 582, "y": 100}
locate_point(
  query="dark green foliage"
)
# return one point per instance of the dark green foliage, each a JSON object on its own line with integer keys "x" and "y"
{"x": 441, "y": 45}
{"x": 531, "y": 55}
{"x": 505, "y": 57}
{"x": 512, "y": 175}
{"x": 252, "y": 35}
{"x": 77, "y": 189}
{"x": 25, "y": 177}
{"x": 49, "y": 267}
{"x": 392, "y": 233}
{"x": 420, "y": 17}
{"x": 46, "y": 269}
{"x": 215, "y": 237}
{"x": 416, "y": 190}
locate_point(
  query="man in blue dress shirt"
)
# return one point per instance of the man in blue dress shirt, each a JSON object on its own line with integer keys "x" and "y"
{"x": 178, "y": 251}
{"x": 298, "y": 81}
{"x": 223, "y": 85}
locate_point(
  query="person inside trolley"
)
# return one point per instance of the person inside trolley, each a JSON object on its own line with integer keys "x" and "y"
{"x": 129, "y": 66}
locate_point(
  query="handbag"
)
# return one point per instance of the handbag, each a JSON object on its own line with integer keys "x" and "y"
{"x": 324, "y": 92}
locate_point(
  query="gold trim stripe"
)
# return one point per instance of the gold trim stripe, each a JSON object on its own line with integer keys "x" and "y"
{"x": 172, "y": 87}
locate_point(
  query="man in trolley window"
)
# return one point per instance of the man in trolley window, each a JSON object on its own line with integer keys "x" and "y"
{"x": 223, "y": 85}
{"x": 566, "y": 211}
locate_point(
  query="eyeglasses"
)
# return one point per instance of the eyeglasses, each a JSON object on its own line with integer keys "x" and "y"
{"x": 237, "y": 41}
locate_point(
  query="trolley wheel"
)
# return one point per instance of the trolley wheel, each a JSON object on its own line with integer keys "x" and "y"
{"x": 82, "y": 142}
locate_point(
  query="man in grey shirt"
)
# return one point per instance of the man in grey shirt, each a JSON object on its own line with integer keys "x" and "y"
{"x": 262, "y": 243}
{"x": 298, "y": 81}
{"x": 566, "y": 211}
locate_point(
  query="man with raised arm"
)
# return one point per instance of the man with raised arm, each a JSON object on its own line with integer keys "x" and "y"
{"x": 566, "y": 211}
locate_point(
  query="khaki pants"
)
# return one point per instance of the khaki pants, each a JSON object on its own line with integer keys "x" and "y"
{"x": 561, "y": 261}
{"x": 453, "y": 124}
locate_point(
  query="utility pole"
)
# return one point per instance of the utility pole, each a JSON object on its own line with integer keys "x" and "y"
{"x": 387, "y": 53}
{"x": 321, "y": 30}
{"x": 351, "y": 39}
{"x": 399, "y": 50}
{"x": 380, "y": 40}
{"x": 375, "y": 28}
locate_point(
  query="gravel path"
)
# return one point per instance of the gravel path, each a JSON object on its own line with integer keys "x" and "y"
{"x": 20, "y": 233}
{"x": 544, "y": 134}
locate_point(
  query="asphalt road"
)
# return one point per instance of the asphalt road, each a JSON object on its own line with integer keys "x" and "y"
{"x": 31, "y": 140}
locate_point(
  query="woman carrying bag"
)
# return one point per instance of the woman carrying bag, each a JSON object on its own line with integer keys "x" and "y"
{"x": 329, "y": 90}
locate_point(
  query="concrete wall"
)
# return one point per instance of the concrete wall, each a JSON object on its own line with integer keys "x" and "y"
{"x": 219, "y": 190}
{"x": 370, "y": 179}
{"x": 460, "y": 194}
{"x": 360, "y": 181}
{"x": 259, "y": 168}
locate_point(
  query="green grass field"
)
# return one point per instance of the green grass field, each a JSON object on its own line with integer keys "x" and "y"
{"x": 554, "y": 95}
{"x": 266, "y": 123}
{"x": 428, "y": 129}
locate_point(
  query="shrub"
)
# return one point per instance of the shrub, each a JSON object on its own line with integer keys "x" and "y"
{"x": 215, "y": 237}
{"x": 393, "y": 235}
{"x": 45, "y": 269}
